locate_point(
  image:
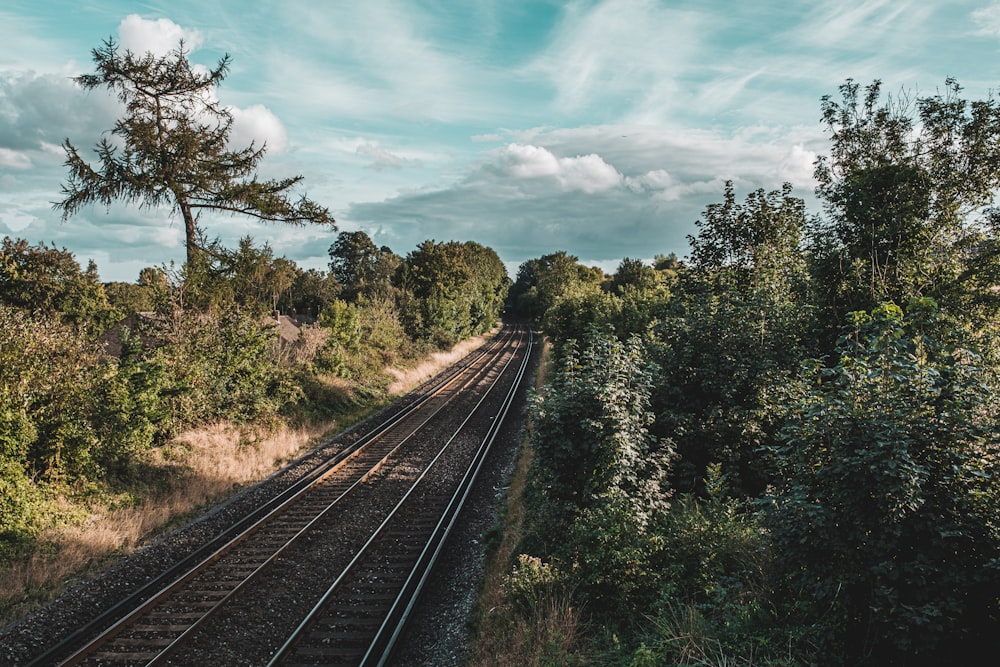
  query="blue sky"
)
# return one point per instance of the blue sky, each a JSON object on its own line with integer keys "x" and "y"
{"x": 599, "y": 127}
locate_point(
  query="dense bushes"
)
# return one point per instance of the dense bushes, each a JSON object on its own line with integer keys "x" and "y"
{"x": 829, "y": 390}
{"x": 81, "y": 411}
{"x": 883, "y": 466}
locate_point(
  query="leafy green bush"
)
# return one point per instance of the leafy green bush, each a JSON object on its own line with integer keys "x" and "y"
{"x": 884, "y": 510}
{"x": 591, "y": 432}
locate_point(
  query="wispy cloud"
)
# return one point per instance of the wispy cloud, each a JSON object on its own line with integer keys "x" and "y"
{"x": 988, "y": 20}
{"x": 383, "y": 159}
{"x": 624, "y": 55}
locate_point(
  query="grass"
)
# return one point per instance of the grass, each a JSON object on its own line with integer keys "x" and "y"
{"x": 200, "y": 467}
{"x": 505, "y": 634}
{"x": 212, "y": 463}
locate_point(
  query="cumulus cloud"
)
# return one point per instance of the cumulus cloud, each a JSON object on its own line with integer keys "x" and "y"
{"x": 797, "y": 167}
{"x": 586, "y": 173}
{"x": 40, "y": 110}
{"x": 598, "y": 192}
{"x": 257, "y": 124}
{"x": 158, "y": 36}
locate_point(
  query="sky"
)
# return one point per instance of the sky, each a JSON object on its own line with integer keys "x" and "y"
{"x": 602, "y": 128}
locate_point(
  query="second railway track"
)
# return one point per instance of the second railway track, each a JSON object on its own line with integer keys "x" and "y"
{"x": 326, "y": 571}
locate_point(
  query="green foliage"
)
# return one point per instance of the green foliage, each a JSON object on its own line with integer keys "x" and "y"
{"x": 46, "y": 280}
{"x": 256, "y": 277}
{"x": 17, "y": 499}
{"x": 344, "y": 337}
{"x": 542, "y": 282}
{"x": 880, "y": 506}
{"x": 902, "y": 186}
{"x": 634, "y": 274}
{"x": 531, "y": 583}
{"x": 131, "y": 298}
{"x": 573, "y": 316}
{"x": 721, "y": 358}
{"x": 221, "y": 367}
{"x": 591, "y": 432}
{"x": 751, "y": 244}
{"x": 712, "y": 589}
{"x": 613, "y": 550}
{"x": 455, "y": 290}
{"x": 130, "y": 407}
{"x": 874, "y": 537}
{"x": 309, "y": 294}
{"x": 362, "y": 268}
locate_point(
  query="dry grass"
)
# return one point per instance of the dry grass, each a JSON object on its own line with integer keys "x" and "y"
{"x": 408, "y": 378}
{"x": 214, "y": 461}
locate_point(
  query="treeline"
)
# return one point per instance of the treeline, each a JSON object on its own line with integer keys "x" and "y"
{"x": 94, "y": 375}
{"x": 784, "y": 449}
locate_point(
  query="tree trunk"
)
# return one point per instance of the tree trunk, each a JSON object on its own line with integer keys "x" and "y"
{"x": 190, "y": 235}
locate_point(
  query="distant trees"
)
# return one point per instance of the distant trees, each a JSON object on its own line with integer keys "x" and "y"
{"x": 362, "y": 268}
{"x": 541, "y": 282}
{"x": 174, "y": 148}
{"x": 454, "y": 290}
{"x": 49, "y": 281}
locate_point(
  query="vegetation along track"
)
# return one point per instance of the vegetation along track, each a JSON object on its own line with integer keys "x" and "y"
{"x": 328, "y": 570}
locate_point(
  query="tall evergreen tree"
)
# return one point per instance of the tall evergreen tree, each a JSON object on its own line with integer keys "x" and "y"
{"x": 173, "y": 148}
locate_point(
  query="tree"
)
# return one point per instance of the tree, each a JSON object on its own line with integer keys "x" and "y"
{"x": 753, "y": 243}
{"x": 903, "y": 187}
{"x": 174, "y": 148}
{"x": 361, "y": 267}
{"x": 47, "y": 280}
{"x": 541, "y": 282}
{"x": 310, "y": 293}
{"x": 633, "y": 273}
{"x": 456, "y": 289}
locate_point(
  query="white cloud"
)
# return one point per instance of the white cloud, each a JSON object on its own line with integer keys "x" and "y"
{"x": 988, "y": 20}
{"x": 383, "y": 159}
{"x": 257, "y": 124}
{"x": 620, "y": 50}
{"x": 875, "y": 28}
{"x": 159, "y": 36}
{"x": 797, "y": 167}
{"x": 15, "y": 221}
{"x": 586, "y": 173}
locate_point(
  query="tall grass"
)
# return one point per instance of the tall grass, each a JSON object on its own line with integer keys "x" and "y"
{"x": 405, "y": 379}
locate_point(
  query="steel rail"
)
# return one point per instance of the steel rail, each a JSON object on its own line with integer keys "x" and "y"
{"x": 469, "y": 476}
{"x": 381, "y": 646}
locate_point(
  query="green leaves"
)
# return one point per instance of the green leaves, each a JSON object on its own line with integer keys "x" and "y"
{"x": 876, "y": 464}
{"x": 457, "y": 290}
{"x": 591, "y": 428}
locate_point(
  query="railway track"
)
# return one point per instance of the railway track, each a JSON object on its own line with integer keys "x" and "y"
{"x": 371, "y": 521}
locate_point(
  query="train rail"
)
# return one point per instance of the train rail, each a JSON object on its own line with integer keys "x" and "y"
{"x": 373, "y": 518}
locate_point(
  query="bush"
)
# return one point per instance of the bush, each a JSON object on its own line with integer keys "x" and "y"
{"x": 885, "y": 506}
